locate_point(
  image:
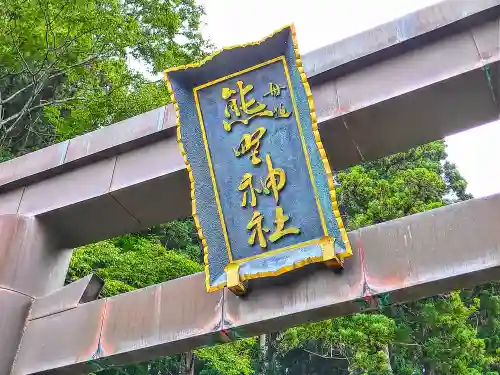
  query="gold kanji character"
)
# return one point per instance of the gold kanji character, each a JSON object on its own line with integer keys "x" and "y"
{"x": 250, "y": 106}
{"x": 247, "y": 184}
{"x": 281, "y": 231}
{"x": 274, "y": 90}
{"x": 281, "y": 112}
{"x": 232, "y": 104}
{"x": 251, "y": 142}
{"x": 255, "y": 225}
{"x": 275, "y": 180}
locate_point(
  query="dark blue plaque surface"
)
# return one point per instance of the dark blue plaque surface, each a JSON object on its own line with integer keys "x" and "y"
{"x": 262, "y": 188}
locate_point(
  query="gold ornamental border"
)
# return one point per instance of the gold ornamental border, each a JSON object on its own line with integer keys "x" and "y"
{"x": 319, "y": 144}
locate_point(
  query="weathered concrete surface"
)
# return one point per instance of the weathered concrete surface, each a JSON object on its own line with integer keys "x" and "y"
{"x": 160, "y": 319}
{"x": 30, "y": 266}
{"x": 413, "y": 80}
{"x": 406, "y": 33}
{"x": 14, "y": 309}
{"x": 84, "y": 290}
{"x": 409, "y": 258}
{"x": 31, "y": 263}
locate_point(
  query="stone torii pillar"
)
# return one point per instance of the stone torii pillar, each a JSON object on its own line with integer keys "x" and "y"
{"x": 32, "y": 271}
{"x": 31, "y": 265}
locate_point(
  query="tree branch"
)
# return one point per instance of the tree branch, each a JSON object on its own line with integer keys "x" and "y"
{"x": 406, "y": 344}
{"x": 12, "y": 74}
{"x": 17, "y": 93}
{"x": 19, "y": 115}
{"x": 54, "y": 75}
{"x": 20, "y": 54}
{"x": 31, "y": 109}
{"x": 47, "y": 27}
{"x": 28, "y": 103}
{"x": 60, "y": 101}
{"x": 325, "y": 356}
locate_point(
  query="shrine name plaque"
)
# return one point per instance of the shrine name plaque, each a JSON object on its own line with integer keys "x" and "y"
{"x": 262, "y": 190}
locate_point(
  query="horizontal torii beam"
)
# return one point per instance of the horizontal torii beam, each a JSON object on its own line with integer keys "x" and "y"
{"x": 420, "y": 255}
{"x": 414, "y": 80}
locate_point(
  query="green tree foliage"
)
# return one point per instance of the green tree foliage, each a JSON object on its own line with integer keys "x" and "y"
{"x": 63, "y": 63}
{"x": 444, "y": 335}
{"x": 179, "y": 235}
{"x": 227, "y": 359}
{"x": 399, "y": 185}
{"x": 130, "y": 262}
{"x": 358, "y": 342}
{"x": 440, "y": 335}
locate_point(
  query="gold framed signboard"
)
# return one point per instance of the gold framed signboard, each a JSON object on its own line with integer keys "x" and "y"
{"x": 262, "y": 190}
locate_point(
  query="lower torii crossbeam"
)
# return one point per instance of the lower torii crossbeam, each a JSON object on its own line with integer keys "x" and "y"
{"x": 417, "y": 256}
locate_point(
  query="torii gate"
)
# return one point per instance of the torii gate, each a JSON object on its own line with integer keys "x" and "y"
{"x": 414, "y": 80}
